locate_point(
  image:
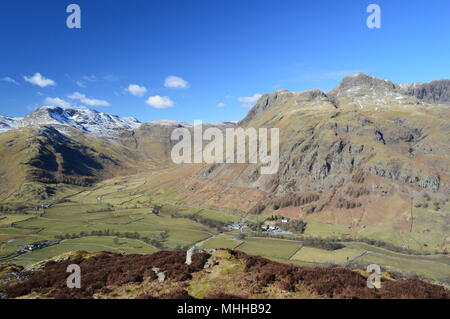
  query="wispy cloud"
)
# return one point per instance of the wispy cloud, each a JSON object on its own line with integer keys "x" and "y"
{"x": 88, "y": 101}
{"x": 81, "y": 84}
{"x": 160, "y": 102}
{"x": 175, "y": 82}
{"x": 250, "y": 99}
{"x": 86, "y": 78}
{"x": 136, "y": 90}
{"x": 337, "y": 74}
{"x": 39, "y": 80}
{"x": 221, "y": 104}
{"x": 89, "y": 78}
{"x": 10, "y": 80}
{"x": 56, "y": 101}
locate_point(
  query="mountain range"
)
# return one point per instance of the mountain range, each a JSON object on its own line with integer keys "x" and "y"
{"x": 362, "y": 154}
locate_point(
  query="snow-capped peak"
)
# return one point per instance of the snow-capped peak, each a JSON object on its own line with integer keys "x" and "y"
{"x": 88, "y": 121}
{"x": 170, "y": 123}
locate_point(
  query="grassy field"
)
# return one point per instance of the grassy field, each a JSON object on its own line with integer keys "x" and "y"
{"x": 89, "y": 244}
{"x": 435, "y": 271}
{"x": 222, "y": 242}
{"x": 123, "y": 205}
{"x": 434, "y": 268}
{"x": 320, "y": 256}
{"x": 7, "y": 220}
{"x": 276, "y": 248}
{"x": 426, "y": 242}
{"x": 75, "y": 221}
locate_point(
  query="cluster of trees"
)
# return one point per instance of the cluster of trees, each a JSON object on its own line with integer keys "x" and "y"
{"x": 295, "y": 226}
{"x": 101, "y": 210}
{"x": 294, "y": 200}
{"x": 256, "y": 227}
{"x": 310, "y": 209}
{"x": 357, "y": 192}
{"x": 397, "y": 249}
{"x": 359, "y": 176}
{"x": 320, "y": 243}
{"x": 437, "y": 205}
{"x": 258, "y": 208}
{"x": 288, "y": 200}
{"x": 211, "y": 223}
{"x": 327, "y": 244}
{"x": 157, "y": 242}
{"x": 59, "y": 178}
{"x": 347, "y": 204}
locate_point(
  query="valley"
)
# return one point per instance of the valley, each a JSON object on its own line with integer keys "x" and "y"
{"x": 116, "y": 216}
{"x": 363, "y": 179}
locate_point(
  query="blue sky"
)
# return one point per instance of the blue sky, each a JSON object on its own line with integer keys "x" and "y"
{"x": 225, "y": 51}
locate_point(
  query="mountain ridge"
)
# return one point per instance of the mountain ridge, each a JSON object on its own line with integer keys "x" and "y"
{"x": 357, "y": 86}
{"x": 346, "y": 150}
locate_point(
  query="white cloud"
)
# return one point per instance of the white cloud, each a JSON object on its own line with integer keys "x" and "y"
{"x": 136, "y": 90}
{"x": 56, "y": 101}
{"x": 250, "y": 99}
{"x": 10, "y": 80}
{"x": 221, "y": 104}
{"x": 39, "y": 80}
{"x": 175, "y": 82}
{"x": 89, "y": 78}
{"x": 247, "y": 105}
{"x": 160, "y": 102}
{"x": 86, "y": 78}
{"x": 88, "y": 101}
{"x": 81, "y": 84}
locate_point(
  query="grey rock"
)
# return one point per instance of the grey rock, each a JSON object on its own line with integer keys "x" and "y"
{"x": 433, "y": 92}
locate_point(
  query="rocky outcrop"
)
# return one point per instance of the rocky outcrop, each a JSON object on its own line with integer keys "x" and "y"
{"x": 361, "y": 81}
{"x": 195, "y": 250}
{"x": 432, "y": 92}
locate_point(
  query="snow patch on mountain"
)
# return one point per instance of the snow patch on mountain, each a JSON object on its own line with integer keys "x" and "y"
{"x": 171, "y": 123}
{"x": 88, "y": 121}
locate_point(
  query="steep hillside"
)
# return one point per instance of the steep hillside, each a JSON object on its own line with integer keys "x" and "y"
{"x": 364, "y": 154}
{"x": 368, "y": 153}
{"x": 38, "y": 162}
